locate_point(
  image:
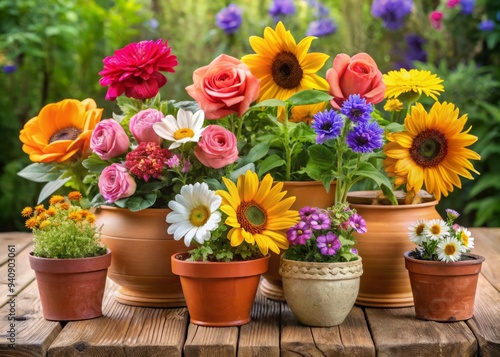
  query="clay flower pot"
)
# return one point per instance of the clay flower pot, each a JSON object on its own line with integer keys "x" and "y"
{"x": 219, "y": 293}
{"x": 71, "y": 289}
{"x": 444, "y": 291}
{"x": 321, "y": 294}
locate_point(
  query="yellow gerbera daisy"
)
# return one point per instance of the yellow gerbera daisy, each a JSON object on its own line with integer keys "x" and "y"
{"x": 257, "y": 212}
{"x": 283, "y": 66}
{"x": 393, "y": 105}
{"x": 408, "y": 86}
{"x": 432, "y": 151}
{"x": 61, "y": 130}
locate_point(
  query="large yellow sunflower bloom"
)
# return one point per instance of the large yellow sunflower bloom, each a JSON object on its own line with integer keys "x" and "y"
{"x": 408, "y": 86}
{"x": 432, "y": 152}
{"x": 61, "y": 131}
{"x": 257, "y": 212}
{"x": 283, "y": 66}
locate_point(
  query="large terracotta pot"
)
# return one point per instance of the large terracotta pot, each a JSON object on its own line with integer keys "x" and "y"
{"x": 141, "y": 250}
{"x": 444, "y": 291}
{"x": 320, "y": 294}
{"x": 307, "y": 193}
{"x": 219, "y": 293}
{"x": 385, "y": 281}
{"x": 71, "y": 289}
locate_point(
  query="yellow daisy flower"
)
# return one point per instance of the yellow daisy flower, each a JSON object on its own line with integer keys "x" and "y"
{"x": 432, "y": 152}
{"x": 408, "y": 86}
{"x": 393, "y": 105}
{"x": 283, "y": 66}
{"x": 27, "y": 211}
{"x": 257, "y": 212}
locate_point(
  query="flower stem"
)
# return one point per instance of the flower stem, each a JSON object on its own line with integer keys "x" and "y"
{"x": 286, "y": 144}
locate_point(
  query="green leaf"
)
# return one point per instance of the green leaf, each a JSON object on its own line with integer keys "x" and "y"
{"x": 321, "y": 156}
{"x": 50, "y": 187}
{"x": 270, "y": 163}
{"x": 395, "y": 127}
{"x": 369, "y": 171}
{"x": 94, "y": 163}
{"x": 257, "y": 152}
{"x": 137, "y": 203}
{"x": 269, "y": 103}
{"x": 39, "y": 172}
{"x": 310, "y": 96}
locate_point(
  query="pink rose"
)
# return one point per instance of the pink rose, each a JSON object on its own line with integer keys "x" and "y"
{"x": 109, "y": 140}
{"x": 224, "y": 87}
{"x": 141, "y": 125}
{"x": 116, "y": 183}
{"x": 217, "y": 147}
{"x": 358, "y": 74}
{"x": 436, "y": 19}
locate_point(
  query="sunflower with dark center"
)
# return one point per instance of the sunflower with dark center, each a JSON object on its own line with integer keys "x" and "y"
{"x": 432, "y": 152}
{"x": 257, "y": 212}
{"x": 285, "y": 68}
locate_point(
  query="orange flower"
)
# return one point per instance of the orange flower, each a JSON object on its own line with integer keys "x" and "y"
{"x": 61, "y": 131}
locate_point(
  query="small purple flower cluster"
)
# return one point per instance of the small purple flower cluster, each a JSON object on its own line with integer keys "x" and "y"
{"x": 392, "y": 12}
{"x": 323, "y": 24}
{"x": 281, "y": 8}
{"x": 229, "y": 18}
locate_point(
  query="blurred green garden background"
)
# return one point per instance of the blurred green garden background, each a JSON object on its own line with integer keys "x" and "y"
{"x": 53, "y": 49}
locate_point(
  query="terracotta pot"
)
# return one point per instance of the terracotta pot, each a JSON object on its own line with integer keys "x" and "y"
{"x": 307, "y": 193}
{"x": 71, "y": 289}
{"x": 444, "y": 291}
{"x": 219, "y": 293}
{"x": 140, "y": 264}
{"x": 320, "y": 294}
{"x": 385, "y": 282}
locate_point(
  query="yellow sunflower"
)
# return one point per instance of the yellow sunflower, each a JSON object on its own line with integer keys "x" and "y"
{"x": 257, "y": 212}
{"x": 283, "y": 66}
{"x": 408, "y": 86}
{"x": 432, "y": 152}
{"x": 61, "y": 131}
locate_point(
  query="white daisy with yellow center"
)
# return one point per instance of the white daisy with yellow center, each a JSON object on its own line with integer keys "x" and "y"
{"x": 465, "y": 237}
{"x": 416, "y": 232}
{"x": 194, "y": 213}
{"x": 436, "y": 229}
{"x": 185, "y": 128}
{"x": 449, "y": 250}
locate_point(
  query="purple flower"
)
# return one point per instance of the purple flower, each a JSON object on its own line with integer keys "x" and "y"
{"x": 452, "y": 214}
{"x": 357, "y": 223}
{"x": 416, "y": 50}
{"x": 365, "y": 137}
{"x": 321, "y": 27}
{"x": 229, "y": 19}
{"x": 356, "y": 109}
{"x": 320, "y": 10}
{"x": 299, "y": 234}
{"x": 354, "y": 251}
{"x": 281, "y": 8}
{"x": 486, "y": 25}
{"x": 467, "y": 6}
{"x": 328, "y": 244}
{"x": 327, "y": 125}
{"x": 10, "y": 68}
{"x": 320, "y": 221}
{"x": 392, "y": 12}
{"x": 306, "y": 212}
{"x": 153, "y": 23}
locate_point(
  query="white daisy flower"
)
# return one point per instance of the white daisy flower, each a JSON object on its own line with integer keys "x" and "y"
{"x": 187, "y": 127}
{"x": 465, "y": 237}
{"x": 437, "y": 229}
{"x": 416, "y": 231}
{"x": 194, "y": 213}
{"x": 449, "y": 250}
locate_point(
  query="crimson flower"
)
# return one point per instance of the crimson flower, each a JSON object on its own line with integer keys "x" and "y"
{"x": 147, "y": 160}
{"x": 135, "y": 69}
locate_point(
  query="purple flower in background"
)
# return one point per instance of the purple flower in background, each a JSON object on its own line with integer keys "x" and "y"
{"x": 321, "y": 27}
{"x": 467, "y": 6}
{"x": 319, "y": 10}
{"x": 10, "y": 68}
{"x": 329, "y": 244}
{"x": 416, "y": 50}
{"x": 356, "y": 109}
{"x": 306, "y": 212}
{"x": 357, "y": 223}
{"x": 153, "y": 23}
{"x": 327, "y": 125}
{"x": 365, "y": 137}
{"x": 229, "y": 19}
{"x": 299, "y": 233}
{"x": 486, "y": 25}
{"x": 281, "y": 8}
{"x": 391, "y": 12}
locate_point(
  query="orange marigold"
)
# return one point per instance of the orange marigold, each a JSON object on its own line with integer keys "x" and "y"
{"x": 27, "y": 211}
{"x": 75, "y": 196}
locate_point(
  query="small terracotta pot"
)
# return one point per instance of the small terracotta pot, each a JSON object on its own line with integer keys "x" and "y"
{"x": 320, "y": 294}
{"x": 219, "y": 293}
{"x": 444, "y": 291}
{"x": 71, "y": 289}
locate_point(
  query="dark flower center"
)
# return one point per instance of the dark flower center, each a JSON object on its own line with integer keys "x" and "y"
{"x": 252, "y": 217}
{"x": 286, "y": 70}
{"x": 65, "y": 134}
{"x": 429, "y": 148}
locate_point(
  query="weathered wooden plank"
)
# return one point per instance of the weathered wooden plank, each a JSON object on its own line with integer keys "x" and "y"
{"x": 261, "y": 337}
{"x": 211, "y": 341}
{"x": 297, "y": 339}
{"x": 486, "y": 321}
{"x": 33, "y": 334}
{"x": 399, "y": 332}
{"x": 20, "y": 240}
{"x": 487, "y": 244}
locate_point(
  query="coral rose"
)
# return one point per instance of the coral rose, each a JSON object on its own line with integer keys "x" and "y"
{"x": 109, "y": 140}
{"x": 141, "y": 125}
{"x": 115, "y": 183}
{"x": 358, "y": 74}
{"x": 224, "y": 87}
{"x": 217, "y": 147}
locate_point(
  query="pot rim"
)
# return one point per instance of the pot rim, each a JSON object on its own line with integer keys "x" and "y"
{"x": 142, "y": 211}
{"x": 370, "y": 194}
{"x": 321, "y": 270}
{"x": 70, "y": 265}
{"x": 477, "y": 259}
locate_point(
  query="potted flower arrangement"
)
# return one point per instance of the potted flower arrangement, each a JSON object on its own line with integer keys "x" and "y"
{"x": 233, "y": 230}
{"x": 443, "y": 273}
{"x": 321, "y": 270}
{"x": 69, "y": 260}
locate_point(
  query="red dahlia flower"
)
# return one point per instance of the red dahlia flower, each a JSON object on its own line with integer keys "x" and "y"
{"x": 147, "y": 160}
{"x": 135, "y": 69}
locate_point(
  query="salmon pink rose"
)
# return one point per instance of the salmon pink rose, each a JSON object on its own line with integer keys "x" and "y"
{"x": 224, "y": 87}
{"x": 116, "y": 183}
{"x": 358, "y": 74}
{"x": 109, "y": 140}
{"x": 217, "y": 147}
{"x": 141, "y": 125}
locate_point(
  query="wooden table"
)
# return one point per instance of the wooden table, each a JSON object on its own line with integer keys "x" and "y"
{"x": 273, "y": 331}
